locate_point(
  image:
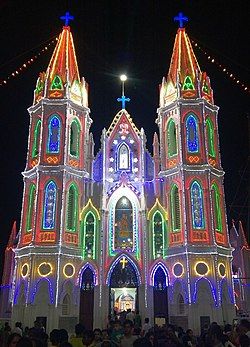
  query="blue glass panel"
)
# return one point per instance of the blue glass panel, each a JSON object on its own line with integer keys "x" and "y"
{"x": 49, "y": 206}
{"x": 54, "y": 135}
{"x": 192, "y": 135}
{"x": 197, "y": 206}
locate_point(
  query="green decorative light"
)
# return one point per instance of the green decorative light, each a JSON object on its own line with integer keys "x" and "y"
{"x": 39, "y": 86}
{"x": 32, "y": 194}
{"x": 175, "y": 208}
{"x": 158, "y": 235}
{"x": 89, "y": 236}
{"x": 171, "y": 139}
{"x": 56, "y": 83}
{"x": 74, "y": 138}
{"x": 205, "y": 88}
{"x": 210, "y": 137}
{"x": 217, "y": 207}
{"x": 188, "y": 83}
{"x": 72, "y": 207}
{"x": 36, "y": 139}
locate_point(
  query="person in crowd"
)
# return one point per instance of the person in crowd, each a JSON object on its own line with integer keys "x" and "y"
{"x": 146, "y": 326}
{"x": 244, "y": 327}
{"x": 18, "y": 328}
{"x": 65, "y": 344}
{"x": 105, "y": 335}
{"x": 116, "y": 334}
{"x": 142, "y": 342}
{"x": 189, "y": 339}
{"x": 63, "y": 336}
{"x": 137, "y": 319}
{"x": 88, "y": 338}
{"x": 54, "y": 337}
{"x": 76, "y": 340}
{"x": 130, "y": 315}
{"x": 97, "y": 337}
{"x": 244, "y": 341}
{"x": 215, "y": 336}
{"x": 12, "y": 340}
{"x": 151, "y": 337}
{"x": 128, "y": 339}
{"x": 24, "y": 342}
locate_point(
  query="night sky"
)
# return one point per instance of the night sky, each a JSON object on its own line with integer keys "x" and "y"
{"x": 135, "y": 37}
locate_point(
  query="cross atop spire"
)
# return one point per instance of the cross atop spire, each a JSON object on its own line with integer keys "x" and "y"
{"x": 123, "y": 98}
{"x": 181, "y": 19}
{"x": 67, "y": 17}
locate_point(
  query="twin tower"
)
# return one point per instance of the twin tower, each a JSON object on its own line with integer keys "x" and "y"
{"x": 123, "y": 228}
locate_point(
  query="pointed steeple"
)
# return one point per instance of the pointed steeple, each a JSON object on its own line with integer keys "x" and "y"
{"x": 12, "y": 237}
{"x": 62, "y": 79}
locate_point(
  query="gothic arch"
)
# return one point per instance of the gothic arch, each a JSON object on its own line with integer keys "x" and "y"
{"x": 197, "y": 204}
{"x": 171, "y": 138}
{"x": 75, "y": 131}
{"x": 67, "y": 289}
{"x": 93, "y": 268}
{"x": 43, "y": 287}
{"x": 192, "y": 133}
{"x": 54, "y": 134}
{"x": 203, "y": 286}
{"x": 154, "y": 268}
{"x": 178, "y": 287}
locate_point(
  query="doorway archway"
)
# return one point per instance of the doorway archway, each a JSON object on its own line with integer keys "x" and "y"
{"x": 87, "y": 298}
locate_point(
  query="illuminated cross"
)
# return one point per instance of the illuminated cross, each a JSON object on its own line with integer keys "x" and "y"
{"x": 123, "y": 261}
{"x": 181, "y": 19}
{"x": 67, "y": 18}
{"x": 123, "y": 100}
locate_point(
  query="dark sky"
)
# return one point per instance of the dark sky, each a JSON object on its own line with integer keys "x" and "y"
{"x": 113, "y": 37}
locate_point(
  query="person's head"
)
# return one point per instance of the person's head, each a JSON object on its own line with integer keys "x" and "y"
{"x": 97, "y": 335}
{"x": 151, "y": 337}
{"x": 137, "y": 312}
{"x": 13, "y": 339}
{"x": 215, "y": 334}
{"x": 106, "y": 343}
{"x": 54, "y": 337}
{"x": 79, "y": 329}
{"x": 128, "y": 327}
{"x": 105, "y": 334}
{"x": 244, "y": 326}
{"x": 142, "y": 342}
{"x": 146, "y": 320}
{"x": 24, "y": 342}
{"x": 17, "y": 324}
{"x": 228, "y": 328}
{"x": 189, "y": 332}
{"x": 87, "y": 337}
{"x": 117, "y": 325}
{"x": 63, "y": 335}
{"x": 244, "y": 341}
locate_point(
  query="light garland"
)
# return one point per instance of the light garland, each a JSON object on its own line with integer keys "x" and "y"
{"x": 26, "y": 64}
{"x": 223, "y": 68}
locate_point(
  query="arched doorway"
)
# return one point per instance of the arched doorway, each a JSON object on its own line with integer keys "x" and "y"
{"x": 123, "y": 284}
{"x": 87, "y": 299}
{"x": 160, "y": 283}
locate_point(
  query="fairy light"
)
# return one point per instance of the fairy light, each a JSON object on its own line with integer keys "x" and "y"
{"x": 27, "y": 63}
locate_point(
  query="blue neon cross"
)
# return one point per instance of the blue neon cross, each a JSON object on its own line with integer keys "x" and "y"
{"x": 181, "y": 19}
{"x": 67, "y": 18}
{"x": 123, "y": 100}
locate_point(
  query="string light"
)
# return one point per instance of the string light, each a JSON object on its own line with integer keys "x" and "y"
{"x": 27, "y": 63}
{"x": 221, "y": 67}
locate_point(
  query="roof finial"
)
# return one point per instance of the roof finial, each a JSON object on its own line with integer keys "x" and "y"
{"x": 123, "y": 98}
{"x": 67, "y": 18}
{"x": 181, "y": 19}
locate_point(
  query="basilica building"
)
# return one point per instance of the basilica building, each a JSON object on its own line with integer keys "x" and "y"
{"x": 117, "y": 228}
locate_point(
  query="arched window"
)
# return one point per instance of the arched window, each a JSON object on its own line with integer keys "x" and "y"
{"x": 36, "y": 139}
{"x": 31, "y": 203}
{"x": 216, "y": 208}
{"x": 181, "y": 305}
{"x": 192, "y": 134}
{"x": 54, "y": 135}
{"x": 210, "y": 137}
{"x": 175, "y": 208}
{"x": 123, "y": 238}
{"x": 49, "y": 207}
{"x": 158, "y": 235}
{"x": 188, "y": 83}
{"x": 66, "y": 305}
{"x": 56, "y": 83}
{"x": 72, "y": 208}
{"x": 74, "y": 138}
{"x": 171, "y": 138}
{"x": 123, "y": 157}
{"x": 89, "y": 236}
{"x": 197, "y": 206}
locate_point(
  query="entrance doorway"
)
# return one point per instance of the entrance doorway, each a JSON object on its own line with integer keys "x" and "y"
{"x": 123, "y": 288}
{"x": 87, "y": 299}
{"x": 160, "y": 296}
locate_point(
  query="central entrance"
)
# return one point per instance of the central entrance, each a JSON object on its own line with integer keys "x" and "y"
{"x": 123, "y": 288}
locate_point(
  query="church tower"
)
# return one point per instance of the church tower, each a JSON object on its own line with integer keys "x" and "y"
{"x": 198, "y": 254}
{"x": 57, "y": 166}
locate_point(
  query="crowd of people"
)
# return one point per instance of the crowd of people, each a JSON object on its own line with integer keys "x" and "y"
{"x": 130, "y": 332}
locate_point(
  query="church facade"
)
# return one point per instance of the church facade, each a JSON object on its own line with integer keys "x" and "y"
{"x": 123, "y": 228}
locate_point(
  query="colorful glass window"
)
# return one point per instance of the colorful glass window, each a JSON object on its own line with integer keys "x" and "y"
{"x": 192, "y": 134}
{"x": 56, "y": 83}
{"x": 188, "y": 83}
{"x": 158, "y": 235}
{"x": 54, "y": 135}
{"x": 216, "y": 208}
{"x": 210, "y": 137}
{"x": 89, "y": 236}
{"x": 175, "y": 208}
{"x": 31, "y": 203}
{"x": 123, "y": 157}
{"x": 197, "y": 206}
{"x": 49, "y": 208}
{"x": 123, "y": 238}
{"x": 36, "y": 139}
{"x": 171, "y": 138}
{"x": 72, "y": 208}
{"x": 74, "y": 138}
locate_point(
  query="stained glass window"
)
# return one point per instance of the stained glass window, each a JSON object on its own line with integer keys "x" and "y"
{"x": 89, "y": 236}
{"x": 123, "y": 238}
{"x": 56, "y": 83}
{"x": 72, "y": 208}
{"x": 188, "y": 83}
{"x": 171, "y": 138}
{"x": 192, "y": 134}
{"x": 216, "y": 208}
{"x": 197, "y": 206}
{"x": 123, "y": 157}
{"x": 49, "y": 207}
{"x": 210, "y": 137}
{"x": 31, "y": 202}
{"x": 74, "y": 138}
{"x": 54, "y": 135}
{"x": 158, "y": 235}
{"x": 36, "y": 139}
{"x": 175, "y": 208}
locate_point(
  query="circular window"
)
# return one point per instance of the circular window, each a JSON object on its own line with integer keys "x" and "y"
{"x": 178, "y": 270}
{"x": 201, "y": 269}
{"x": 25, "y": 270}
{"x": 68, "y": 270}
{"x": 222, "y": 270}
{"x": 44, "y": 269}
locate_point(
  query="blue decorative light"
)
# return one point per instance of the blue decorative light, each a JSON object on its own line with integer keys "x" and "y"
{"x": 67, "y": 17}
{"x": 181, "y": 19}
{"x": 123, "y": 100}
{"x": 49, "y": 206}
{"x": 54, "y": 135}
{"x": 197, "y": 206}
{"x": 192, "y": 134}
